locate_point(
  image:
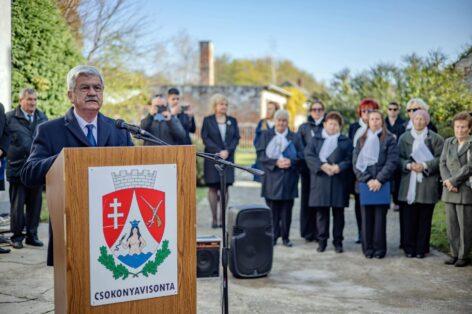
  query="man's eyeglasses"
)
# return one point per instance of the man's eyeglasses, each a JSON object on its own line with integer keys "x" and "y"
{"x": 412, "y": 109}
{"x": 392, "y": 109}
{"x": 317, "y": 109}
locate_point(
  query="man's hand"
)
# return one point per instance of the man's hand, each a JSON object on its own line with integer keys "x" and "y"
{"x": 189, "y": 110}
{"x": 223, "y": 154}
{"x": 153, "y": 110}
{"x": 175, "y": 110}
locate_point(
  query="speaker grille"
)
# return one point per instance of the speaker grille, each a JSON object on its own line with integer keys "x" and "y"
{"x": 251, "y": 241}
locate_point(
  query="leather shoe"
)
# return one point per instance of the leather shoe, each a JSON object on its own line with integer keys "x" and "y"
{"x": 450, "y": 261}
{"x": 287, "y": 243}
{"x": 378, "y": 256}
{"x": 338, "y": 249}
{"x": 17, "y": 245}
{"x": 409, "y": 255}
{"x": 461, "y": 263}
{"x": 321, "y": 247}
{"x": 420, "y": 255}
{"x": 34, "y": 242}
{"x": 3, "y": 251}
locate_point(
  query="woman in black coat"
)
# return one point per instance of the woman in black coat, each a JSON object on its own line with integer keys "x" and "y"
{"x": 306, "y": 132}
{"x": 277, "y": 151}
{"x": 329, "y": 158}
{"x": 356, "y": 130}
{"x": 375, "y": 160}
{"x": 220, "y": 135}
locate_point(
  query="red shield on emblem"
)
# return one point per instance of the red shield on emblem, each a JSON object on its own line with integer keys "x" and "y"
{"x": 116, "y": 207}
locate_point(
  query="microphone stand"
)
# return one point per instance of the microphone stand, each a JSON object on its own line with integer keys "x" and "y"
{"x": 220, "y": 165}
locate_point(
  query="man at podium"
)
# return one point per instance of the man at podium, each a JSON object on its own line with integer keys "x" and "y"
{"x": 82, "y": 126}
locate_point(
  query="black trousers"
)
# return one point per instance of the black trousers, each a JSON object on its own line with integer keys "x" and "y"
{"x": 322, "y": 222}
{"x": 401, "y": 216}
{"x": 357, "y": 208}
{"x": 281, "y": 217}
{"x": 308, "y": 223}
{"x": 374, "y": 229}
{"x": 417, "y": 221}
{"x": 25, "y": 210}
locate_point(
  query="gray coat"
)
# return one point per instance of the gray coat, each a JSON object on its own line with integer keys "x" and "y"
{"x": 427, "y": 192}
{"x": 329, "y": 191}
{"x": 170, "y": 131}
{"x": 385, "y": 167}
{"x": 455, "y": 167}
{"x": 277, "y": 183}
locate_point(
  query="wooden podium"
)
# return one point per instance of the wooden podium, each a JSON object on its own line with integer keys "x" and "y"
{"x": 68, "y": 203}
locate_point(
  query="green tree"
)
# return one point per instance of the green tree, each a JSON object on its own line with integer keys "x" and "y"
{"x": 295, "y": 104}
{"x": 43, "y": 51}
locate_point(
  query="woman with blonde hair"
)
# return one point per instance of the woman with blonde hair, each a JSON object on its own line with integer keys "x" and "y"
{"x": 220, "y": 135}
{"x": 413, "y": 105}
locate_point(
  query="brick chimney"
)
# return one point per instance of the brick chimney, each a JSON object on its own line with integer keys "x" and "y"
{"x": 207, "y": 72}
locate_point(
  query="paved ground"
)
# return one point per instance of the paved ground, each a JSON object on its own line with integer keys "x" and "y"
{"x": 301, "y": 280}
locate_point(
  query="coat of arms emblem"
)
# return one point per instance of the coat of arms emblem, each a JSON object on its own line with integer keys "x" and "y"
{"x": 133, "y": 224}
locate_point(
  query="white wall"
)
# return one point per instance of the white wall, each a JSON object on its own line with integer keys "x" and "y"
{"x": 5, "y": 53}
{"x": 267, "y": 96}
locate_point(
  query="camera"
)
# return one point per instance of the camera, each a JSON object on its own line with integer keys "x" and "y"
{"x": 161, "y": 109}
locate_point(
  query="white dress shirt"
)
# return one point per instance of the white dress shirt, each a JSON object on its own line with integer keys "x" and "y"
{"x": 83, "y": 125}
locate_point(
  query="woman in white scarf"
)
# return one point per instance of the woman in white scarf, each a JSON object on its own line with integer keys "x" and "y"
{"x": 329, "y": 158}
{"x": 356, "y": 130}
{"x": 277, "y": 152}
{"x": 375, "y": 160}
{"x": 420, "y": 150}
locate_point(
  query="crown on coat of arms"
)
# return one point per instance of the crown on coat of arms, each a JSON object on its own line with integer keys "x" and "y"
{"x": 133, "y": 178}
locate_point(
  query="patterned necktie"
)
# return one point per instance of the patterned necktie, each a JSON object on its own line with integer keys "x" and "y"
{"x": 90, "y": 137}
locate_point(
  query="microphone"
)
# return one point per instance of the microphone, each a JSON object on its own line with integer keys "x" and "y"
{"x": 121, "y": 124}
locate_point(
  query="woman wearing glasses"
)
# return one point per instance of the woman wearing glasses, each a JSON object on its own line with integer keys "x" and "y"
{"x": 306, "y": 132}
{"x": 356, "y": 130}
{"x": 413, "y": 105}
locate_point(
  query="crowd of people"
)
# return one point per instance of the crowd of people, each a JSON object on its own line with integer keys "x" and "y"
{"x": 384, "y": 162}
{"x": 381, "y": 159}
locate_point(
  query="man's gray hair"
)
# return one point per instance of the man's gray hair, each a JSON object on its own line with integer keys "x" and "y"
{"x": 82, "y": 70}
{"x": 27, "y": 90}
{"x": 281, "y": 114}
{"x": 418, "y": 101}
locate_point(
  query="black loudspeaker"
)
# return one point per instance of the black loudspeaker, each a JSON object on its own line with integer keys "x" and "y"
{"x": 250, "y": 241}
{"x": 208, "y": 256}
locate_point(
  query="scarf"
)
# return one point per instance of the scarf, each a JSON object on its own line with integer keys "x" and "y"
{"x": 359, "y": 131}
{"x": 420, "y": 153}
{"x": 329, "y": 145}
{"x": 277, "y": 145}
{"x": 369, "y": 154}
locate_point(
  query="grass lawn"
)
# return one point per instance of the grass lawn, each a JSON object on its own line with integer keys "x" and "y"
{"x": 245, "y": 157}
{"x": 438, "y": 229}
{"x": 201, "y": 193}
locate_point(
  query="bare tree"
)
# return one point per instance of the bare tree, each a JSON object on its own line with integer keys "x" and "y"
{"x": 111, "y": 25}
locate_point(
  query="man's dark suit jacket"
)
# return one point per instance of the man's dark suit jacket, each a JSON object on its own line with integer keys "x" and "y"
{"x": 53, "y": 136}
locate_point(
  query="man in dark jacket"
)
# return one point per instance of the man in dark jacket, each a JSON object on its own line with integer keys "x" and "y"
{"x": 4, "y": 143}
{"x": 82, "y": 126}
{"x": 22, "y": 123}
{"x": 162, "y": 124}
{"x": 183, "y": 113}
